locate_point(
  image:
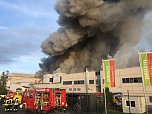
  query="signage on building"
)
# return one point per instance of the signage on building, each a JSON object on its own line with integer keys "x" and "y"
{"x": 109, "y": 72}
{"x": 145, "y": 60}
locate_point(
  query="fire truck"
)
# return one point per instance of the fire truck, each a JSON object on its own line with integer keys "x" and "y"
{"x": 117, "y": 99}
{"x": 14, "y": 95}
{"x": 18, "y": 94}
{"x": 10, "y": 94}
{"x": 46, "y": 99}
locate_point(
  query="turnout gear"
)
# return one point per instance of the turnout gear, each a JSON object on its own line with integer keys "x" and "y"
{"x": 10, "y": 104}
{"x": 39, "y": 108}
{"x": 6, "y": 105}
{"x": 16, "y": 104}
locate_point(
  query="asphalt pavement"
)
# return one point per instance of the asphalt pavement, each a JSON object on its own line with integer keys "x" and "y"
{"x": 24, "y": 112}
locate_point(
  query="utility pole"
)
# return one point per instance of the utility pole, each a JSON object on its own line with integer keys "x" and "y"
{"x": 105, "y": 98}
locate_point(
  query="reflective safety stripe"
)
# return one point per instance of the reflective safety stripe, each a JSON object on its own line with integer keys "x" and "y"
{"x": 15, "y": 109}
{"x": 10, "y": 102}
{"x": 16, "y": 102}
{"x": 6, "y": 103}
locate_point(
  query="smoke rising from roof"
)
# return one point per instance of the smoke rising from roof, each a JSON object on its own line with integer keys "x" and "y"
{"x": 92, "y": 29}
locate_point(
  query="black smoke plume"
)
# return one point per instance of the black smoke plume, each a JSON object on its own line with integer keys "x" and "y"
{"x": 91, "y": 30}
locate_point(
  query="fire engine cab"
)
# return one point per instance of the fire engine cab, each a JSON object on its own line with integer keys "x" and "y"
{"x": 10, "y": 94}
{"x": 47, "y": 99}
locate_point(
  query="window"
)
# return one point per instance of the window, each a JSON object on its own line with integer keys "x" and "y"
{"x": 140, "y": 80}
{"x": 150, "y": 98}
{"x": 132, "y": 103}
{"x": 135, "y": 80}
{"x": 70, "y": 89}
{"x": 51, "y": 79}
{"x": 30, "y": 94}
{"x": 127, "y": 80}
{"x": 74, "y": 89}
{"x": 132, "y": 80}
{"x": 123, "y": 80}
{"x": 127, "y": 103}
{"x": 67, "y": 82}
{"x": 79, "y": 82}
{"x": 97, "y": 73}
{"x": 38, "y": 95}
{"x": 78, "y": 89}
{"x": 91, "y": 81}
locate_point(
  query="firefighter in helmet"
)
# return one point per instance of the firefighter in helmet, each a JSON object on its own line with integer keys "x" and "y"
{"x": 6, "y": 104}
{"x": 38, "y": 107}
{"x": 10, "y": 105}
{"x": 16, "y": 104}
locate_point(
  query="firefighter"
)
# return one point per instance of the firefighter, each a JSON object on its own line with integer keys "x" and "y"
{"x": 16, "y": 104}
{"x": 57, "y": 100}
{"x": 10, "y": 105}
{"x": 38, "y": 109}
{"x": 6, "y": 105}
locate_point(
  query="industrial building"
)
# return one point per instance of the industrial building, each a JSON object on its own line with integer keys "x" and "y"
{"x": 128, "y": 82}
{"x": 126, "y": 79}
{"x": 136, "y": 97}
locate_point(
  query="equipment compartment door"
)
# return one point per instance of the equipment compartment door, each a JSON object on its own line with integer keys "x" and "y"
{"x": 57, "y": 98}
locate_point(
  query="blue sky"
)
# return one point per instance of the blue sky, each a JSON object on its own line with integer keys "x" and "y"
{"x": 24, "y": 24}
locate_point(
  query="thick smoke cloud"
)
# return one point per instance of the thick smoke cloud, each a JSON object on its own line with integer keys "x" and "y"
{"x": 91, "y": 30}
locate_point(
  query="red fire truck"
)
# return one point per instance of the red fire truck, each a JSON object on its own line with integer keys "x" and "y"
{"x": 10, "y": 94}
{"x": 47, "y": 99}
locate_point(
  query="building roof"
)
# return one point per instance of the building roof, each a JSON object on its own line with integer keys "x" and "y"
{"x": 22, "y": 75}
